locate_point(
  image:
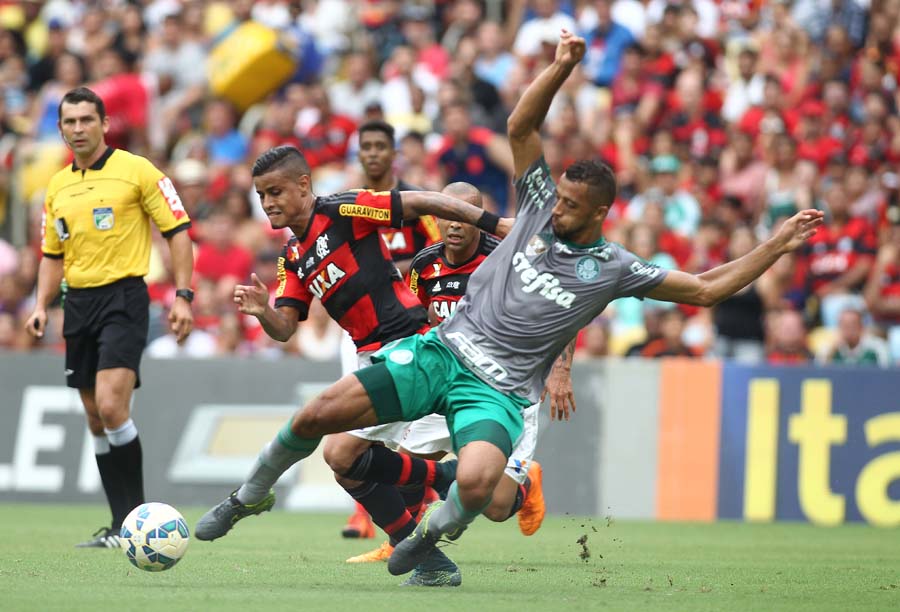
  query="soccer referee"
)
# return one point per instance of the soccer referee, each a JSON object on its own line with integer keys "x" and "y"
{"x": 96, "y": 234}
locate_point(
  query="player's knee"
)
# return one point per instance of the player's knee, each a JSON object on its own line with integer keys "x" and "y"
{"x": 112, "y": 412}
{"x": 339, "y": 458}
{"x": 497, "y": 511}
{"x": 475, "y": 486}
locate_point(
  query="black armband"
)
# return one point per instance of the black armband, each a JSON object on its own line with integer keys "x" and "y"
{"x": 488, "y": 222}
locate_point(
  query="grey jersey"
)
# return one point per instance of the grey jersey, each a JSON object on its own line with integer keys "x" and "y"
{"x": 533, "y": 294}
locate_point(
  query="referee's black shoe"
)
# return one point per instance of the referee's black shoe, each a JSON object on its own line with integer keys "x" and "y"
{"x": 105, "y": 537}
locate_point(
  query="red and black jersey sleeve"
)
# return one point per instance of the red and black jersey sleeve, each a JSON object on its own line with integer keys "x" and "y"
{"x": 367, "y": 210}
{"x": 291, "y": 290}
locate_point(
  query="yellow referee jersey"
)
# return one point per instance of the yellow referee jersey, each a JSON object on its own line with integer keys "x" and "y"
{"x": 98, "y": 219}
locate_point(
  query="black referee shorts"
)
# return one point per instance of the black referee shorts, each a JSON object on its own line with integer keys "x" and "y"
{"x": 105, "y": 327}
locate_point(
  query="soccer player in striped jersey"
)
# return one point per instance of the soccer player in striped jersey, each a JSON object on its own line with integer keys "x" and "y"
{"x": 337, "y": 255}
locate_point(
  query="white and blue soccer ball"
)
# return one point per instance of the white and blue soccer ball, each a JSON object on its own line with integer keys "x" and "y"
{"x": 154, "y": 536}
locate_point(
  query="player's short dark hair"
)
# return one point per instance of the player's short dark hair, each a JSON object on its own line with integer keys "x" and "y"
{"x": 284, "y": 157}
{"x": 82, "y": 94}
{"x": 377, "y": 125}
{"x": 599, "y": 177}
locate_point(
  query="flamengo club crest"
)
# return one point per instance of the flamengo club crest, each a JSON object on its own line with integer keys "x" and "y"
{"x": 322, "y": 246}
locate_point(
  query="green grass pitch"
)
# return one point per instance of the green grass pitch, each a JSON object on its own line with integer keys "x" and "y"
{"x": 283, "y": 561}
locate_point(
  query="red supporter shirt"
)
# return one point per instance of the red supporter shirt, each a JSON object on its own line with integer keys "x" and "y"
{"x": 436, "y": 281}
{"x": 126, "y": 101}
{"x": 342, "y": 260}
{"x": 215, "y": 265}
{"x": 890, "y": 287}
{"x": 327, "y": 141}
{"x": 831, "y": 252}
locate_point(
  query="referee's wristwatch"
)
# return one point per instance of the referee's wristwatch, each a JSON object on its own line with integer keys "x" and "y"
{"x": 187, "y": 294}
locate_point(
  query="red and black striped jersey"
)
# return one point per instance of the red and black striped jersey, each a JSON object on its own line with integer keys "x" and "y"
{"x": 435, "y": 280}
{"x": 342, "y": 260}
{"x": 415, "y": 235}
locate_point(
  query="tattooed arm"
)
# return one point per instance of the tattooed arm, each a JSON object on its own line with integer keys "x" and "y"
{"x": 559, "y": 385}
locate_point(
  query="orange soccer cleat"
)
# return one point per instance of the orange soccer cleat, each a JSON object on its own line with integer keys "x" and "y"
{"x": 532, "y": 512}
{"x": 382, "y": 553}
{"x": 359, "y": 525}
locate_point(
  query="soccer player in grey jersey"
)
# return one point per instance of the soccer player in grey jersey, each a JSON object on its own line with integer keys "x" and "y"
{"x": 550, "y": 276}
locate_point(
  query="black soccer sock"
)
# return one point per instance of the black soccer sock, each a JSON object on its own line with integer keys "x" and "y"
{"x": 386, "y": 506}
{"x": 413, "y": 496}
{"x": 521, "y": 494}
{"x": 114, "y": 487}
{"x": 380, "y": 464}
{"x": 130, "y": 461}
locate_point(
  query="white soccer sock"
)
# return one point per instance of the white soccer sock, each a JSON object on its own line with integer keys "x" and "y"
{"x": 101, "y": 444}
{"x": 123, "y": 434}
{"x": 273, "y": 461}
{"x": 451, "y": 517}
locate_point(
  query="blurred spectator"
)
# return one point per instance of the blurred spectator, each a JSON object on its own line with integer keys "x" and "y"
{"x": 494, "y": 63}
{"x": 179, "y": 66}
{"x": 318, "y": 337}
{"x": 853, "y": 346}
{"x": 546, "y": 21}
{"x": 606, "y": 44}
{"x": 419, "y": 34}
{"x": 786, "y": 338}
{"x": 746, "y": 89}
{"x": 68, "y": 74}
{"x": 44, "y": 69}
{"x": 219, "y": 258}
{"x": 739, "y": 319}
{"x": 671, "y": 341}
{"x": 474, "y": 155}
{"x": 191, "y": 181}
{"x": 680, "y": 209}
{"x": 594, "y": 340}
{"x": 125, "y": 97}
{"x": 359, "y": 88}
{"x": 882, "y": 290}
{"x": 838, "y": 257}
{"x": 225, "y": 146}
{"x": 326, "y": 138}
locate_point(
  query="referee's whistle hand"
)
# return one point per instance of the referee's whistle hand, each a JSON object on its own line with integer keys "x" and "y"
{"x": 181, "y": 320}
{"x": 36, "y": 323}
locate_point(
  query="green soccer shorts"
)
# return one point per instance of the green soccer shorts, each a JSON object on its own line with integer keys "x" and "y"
{"x": 419, "y": 375}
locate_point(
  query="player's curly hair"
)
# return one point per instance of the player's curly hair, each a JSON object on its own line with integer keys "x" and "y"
{"x": 600, "y": 179}
{"x": 284, "y": 157}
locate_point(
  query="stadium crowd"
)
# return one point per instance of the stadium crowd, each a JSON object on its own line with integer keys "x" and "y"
{"x": 719, "y": 118}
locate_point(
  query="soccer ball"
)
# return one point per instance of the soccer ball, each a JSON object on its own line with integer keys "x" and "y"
{"x": 154, "y": 536}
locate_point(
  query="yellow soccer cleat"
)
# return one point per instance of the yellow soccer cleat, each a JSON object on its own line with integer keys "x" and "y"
{"x": 532, "y": 512}
{"x": 382, "y": 553}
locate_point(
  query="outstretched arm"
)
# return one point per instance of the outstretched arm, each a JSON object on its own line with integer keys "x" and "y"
{"x": 524, "y": 124}
{"x": 418, "y": 203}
{"x": 280, "y": 324}
{"x": 721, "y": 282}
